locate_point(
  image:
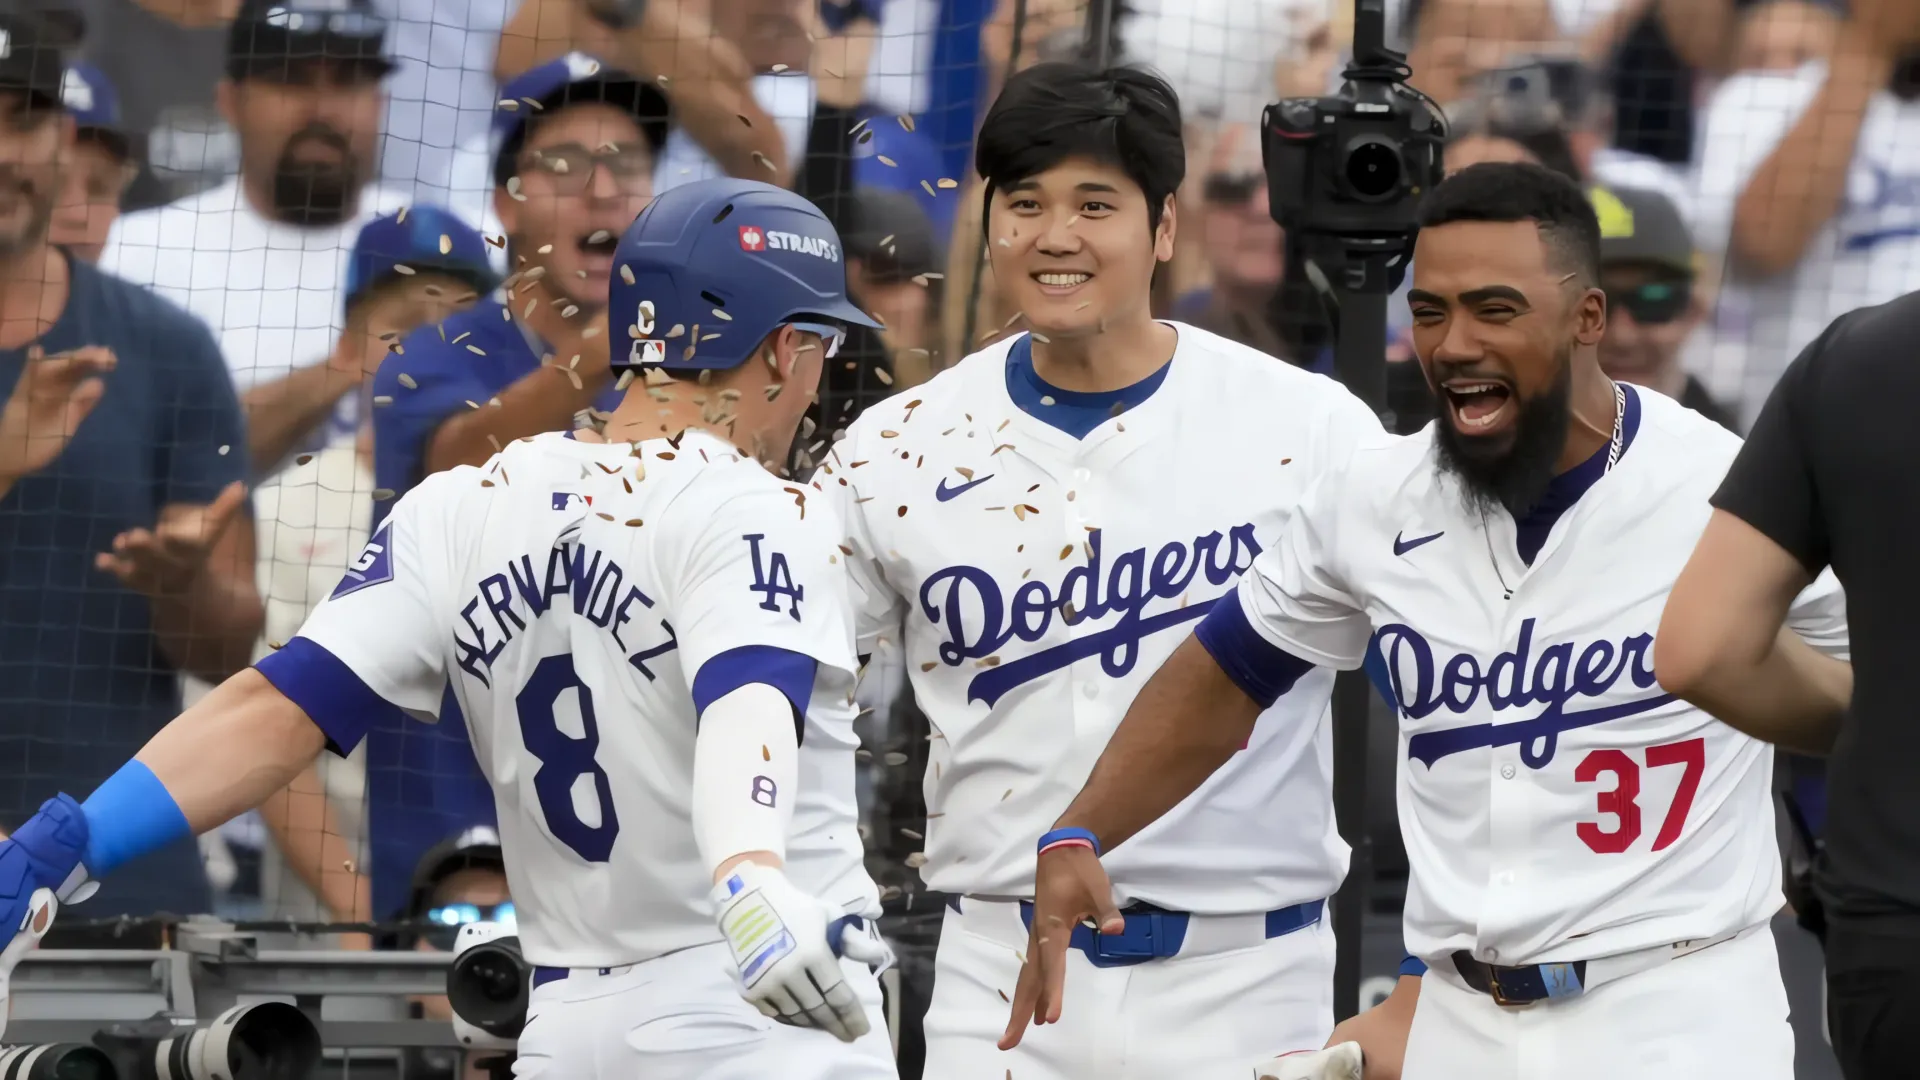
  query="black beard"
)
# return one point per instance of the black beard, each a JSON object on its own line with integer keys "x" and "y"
{"x": 313, "y": 195}
{"x": 1515, "y": 478}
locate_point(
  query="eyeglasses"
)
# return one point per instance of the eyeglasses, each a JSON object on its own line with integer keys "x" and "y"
{"x": 571, "y": 166}
{"x": 1653, "y": 303}
{"x": 444, "y": 922}
{"x": 831, "y": 336}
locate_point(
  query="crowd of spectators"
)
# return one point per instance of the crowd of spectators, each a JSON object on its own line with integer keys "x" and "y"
{"x": 290, "y": 256}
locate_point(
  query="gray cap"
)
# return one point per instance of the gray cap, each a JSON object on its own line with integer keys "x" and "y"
{"x": 1642, "y": 226}
{"x": 891, "y": 234}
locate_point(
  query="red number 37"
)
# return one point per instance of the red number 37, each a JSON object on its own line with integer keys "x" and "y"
{"x": 1623, "y": 801}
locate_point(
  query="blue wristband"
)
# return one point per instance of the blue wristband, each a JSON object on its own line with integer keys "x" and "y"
{"x": 130, "y": 815}
{"x": 1047, "y": 840}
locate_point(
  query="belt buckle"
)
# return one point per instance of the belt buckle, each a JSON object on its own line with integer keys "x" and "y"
{"x": 1499, "y": 996}
{"x": 1121, "y": 946}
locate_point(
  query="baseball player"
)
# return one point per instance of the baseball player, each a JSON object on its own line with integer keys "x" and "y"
{"x": 1046, "y": 518}
{"x": 1593, "y": 860}
{"x": 649, "y": 638}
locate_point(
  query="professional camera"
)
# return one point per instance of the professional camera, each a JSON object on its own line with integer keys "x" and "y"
{"x": 268, "y": 1040}
{"x": 1345, "y": 174}
{"x": 56, "y": 1061}
{"x": 488, "y": 985}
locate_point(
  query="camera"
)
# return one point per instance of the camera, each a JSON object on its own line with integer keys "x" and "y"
{"x": 56, "y": 1061}
{"x": 268, "y": 1040}
{"x": 1345, "y": 174}
{"x": 488, "y": 985}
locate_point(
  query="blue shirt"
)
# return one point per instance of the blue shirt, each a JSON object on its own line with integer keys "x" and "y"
{"x": 1076, "y": 412}
{"x": 83, "y": 683}
{"x": 423, "y": 784}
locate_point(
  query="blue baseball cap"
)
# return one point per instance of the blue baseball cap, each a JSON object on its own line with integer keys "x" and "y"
{"x": 94, "y": 104}
{"x": 570, "y": 80}
{"x": 710, "y": 268}
{"x": 418, "y": 238}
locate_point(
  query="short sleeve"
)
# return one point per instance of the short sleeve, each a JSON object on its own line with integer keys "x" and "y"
{"x": 877, "y": 609}
{"x": 375, "y": 646}
{"x": 1295, "y": 595}
{"x": 1770, "y": 485}
{"x": 415, "y": 391}
{"x": 203, "y": 444}
{"x": 1819, "y": 616}
{"x": 747, "y": 565}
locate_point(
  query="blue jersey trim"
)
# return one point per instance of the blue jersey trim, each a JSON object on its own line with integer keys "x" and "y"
{"x": 787, "y": 671}
{"x": 1413, "y": 966}
{"x": 131, "y": 815}
{"x": 332, "y": 695}
{"x": 1076, "y": 412}
{"x": 1261, "y": 669}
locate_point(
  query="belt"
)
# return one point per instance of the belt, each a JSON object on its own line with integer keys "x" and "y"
{"x": 544, "y": 975}
{"x": 1533, "y": 983}
{"x": 1154, "y": 933}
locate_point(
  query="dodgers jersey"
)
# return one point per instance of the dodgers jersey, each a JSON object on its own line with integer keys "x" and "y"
{"x": 1041, "y": 580}
{"x": 579, "y": 598}
{"x": 1556, "y": 803}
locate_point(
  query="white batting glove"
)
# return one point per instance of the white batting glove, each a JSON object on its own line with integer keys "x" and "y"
{"x": 1341, "y": 1061}
{"x": 786, "y": 951}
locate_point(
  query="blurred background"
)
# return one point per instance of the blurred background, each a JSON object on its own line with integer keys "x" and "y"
{"x": 331, "y": 185}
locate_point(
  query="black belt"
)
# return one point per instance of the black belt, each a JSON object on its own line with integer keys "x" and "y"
{"x": 1522, "y": 985}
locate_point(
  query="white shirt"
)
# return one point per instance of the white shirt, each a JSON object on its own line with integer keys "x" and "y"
{"x": 1042, "y": 579}
{"x": 1867, "y": 254}
{"x": 788, "y": 99}
{"x": 1219, "y": 55}
{"x": 271, "y": 292}
{"x": 570, "y": 617}
{"x": 1556, "y": 803}
{"x": 441, "y": 92}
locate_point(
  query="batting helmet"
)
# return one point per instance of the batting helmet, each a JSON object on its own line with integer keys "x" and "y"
{"x": 711, "y": 268}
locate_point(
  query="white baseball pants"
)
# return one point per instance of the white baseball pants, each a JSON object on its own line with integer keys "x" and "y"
{"x": 1200, "y": 1015}
{"x": 678, "y": 1017}
{"x": 1718, "y": 1014}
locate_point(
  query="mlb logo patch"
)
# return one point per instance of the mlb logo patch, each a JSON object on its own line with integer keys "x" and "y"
{"x": 647, "y": 352}
{"x": 564, "y": 499}
{"x": 752, "y": 239}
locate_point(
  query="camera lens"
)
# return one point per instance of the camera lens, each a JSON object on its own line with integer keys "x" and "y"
{"x": 496, "y": 977}
{"x": 488, "y": 987}
{"x": 59, "y": 1061}
{"x": 1374, "y": 170}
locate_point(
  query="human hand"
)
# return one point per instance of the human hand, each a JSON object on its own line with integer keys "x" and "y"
{"x": 51, "y": 398}
{"x": 1337, "y": 1061}
{"x": 1889, "y": 27}
{"x": 786, "y": 950}
{"x": 1381, "y": 1032}
{"x": 162, "y": 560}
{"x": 1069, "y": 887}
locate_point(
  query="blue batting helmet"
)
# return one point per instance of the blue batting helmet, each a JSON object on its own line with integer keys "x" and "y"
{"x": 710, "y": 268}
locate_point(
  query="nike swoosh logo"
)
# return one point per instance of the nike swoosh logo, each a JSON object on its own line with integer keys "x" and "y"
{"x": 1401, "y": 547}
{"x": 944, "y": 493}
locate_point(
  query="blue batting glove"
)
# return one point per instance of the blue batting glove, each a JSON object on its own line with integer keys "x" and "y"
{"x": 44, "y": 853}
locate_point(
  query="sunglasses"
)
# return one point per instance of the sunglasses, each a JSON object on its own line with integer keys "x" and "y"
{"x": 1228, "y": 189}
{"x": 1653, "y": 303}
{"x": 570, "y": 166}
{"x": 444, "y": 922}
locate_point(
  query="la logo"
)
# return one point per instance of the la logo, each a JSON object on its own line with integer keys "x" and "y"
{"x": 752, "y": 239}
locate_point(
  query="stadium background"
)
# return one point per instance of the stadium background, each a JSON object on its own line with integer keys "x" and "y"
{"x": 1689, "y": 99}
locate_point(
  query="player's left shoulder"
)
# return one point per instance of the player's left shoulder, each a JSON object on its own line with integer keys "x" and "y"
{"x": 1242, "y": 378}
{"x": 1685, "y": 444}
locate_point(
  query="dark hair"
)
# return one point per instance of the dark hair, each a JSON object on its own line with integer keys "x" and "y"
{"x": 1503, "y": 191}
{"x": 1126, "y": 117}
{"x": 640, "y": 100}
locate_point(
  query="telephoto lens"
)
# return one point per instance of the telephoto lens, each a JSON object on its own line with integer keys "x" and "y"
{"x": 269, "y": 1040}
{"x": 488, "y": 986}
{"x": 56, "y": 1061}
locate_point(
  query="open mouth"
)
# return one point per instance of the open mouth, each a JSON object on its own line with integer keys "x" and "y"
{"x": 1060, "y": 282}
{"x": 1477, "y": 404}
{"x": 599, "y": 242}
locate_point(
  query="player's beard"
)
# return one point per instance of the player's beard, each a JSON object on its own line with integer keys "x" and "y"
{"x": 1515, "y": 476}
{"x": 38, "y": 196}
{"x": 315, "y": 193}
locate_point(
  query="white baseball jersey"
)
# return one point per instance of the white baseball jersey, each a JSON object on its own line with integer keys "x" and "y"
{"x": 569, "y": 593}
{"x": 1556, "y": 803}
{"x": 1042, "y": 579}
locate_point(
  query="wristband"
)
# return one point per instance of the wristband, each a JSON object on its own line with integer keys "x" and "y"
{"x": 1059, "y": 838}
{"x": 130, "y": 815}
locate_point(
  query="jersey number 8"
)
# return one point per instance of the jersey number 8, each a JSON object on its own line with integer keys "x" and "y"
{"x": 565, "y": 759}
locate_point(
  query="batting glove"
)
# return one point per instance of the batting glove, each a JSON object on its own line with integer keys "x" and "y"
{"x": 39, "y": 869}
{"x": 786, "y": 951}
{"x": 1341, "y": 1061}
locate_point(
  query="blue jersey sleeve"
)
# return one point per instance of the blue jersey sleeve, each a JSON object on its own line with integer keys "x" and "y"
{"x": 414, "y": 392}
{"x": 1261, "y": 669}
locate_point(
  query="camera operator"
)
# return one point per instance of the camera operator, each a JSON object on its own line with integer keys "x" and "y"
{"x": 459, "y": 882}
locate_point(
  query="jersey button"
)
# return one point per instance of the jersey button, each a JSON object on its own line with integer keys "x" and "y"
{"x": 1493, "y": 956}
{"x": 1506, "y": 772}
{"x": 1091, "y": 691}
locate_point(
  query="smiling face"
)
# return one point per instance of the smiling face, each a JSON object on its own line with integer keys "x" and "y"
{"x": 1073, "y": 250}
{"x": 1497, "y": 318}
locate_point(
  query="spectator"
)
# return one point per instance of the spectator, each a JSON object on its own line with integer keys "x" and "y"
{"x": 262, "y": 257}
{"x": 122, "y": 498}
{"x": 1220, "y": 55}
{"x": 571, "y": 175}
{"x": 893, "y": 263}
{"x": 1807, "y": 186}
{"x": 1783, "y": 35}
{"x": 316, "y": 517}
{"x": 166, "y": 57}
{"x": 457, "y": 883}
{"x": 1650, "y": 272}
{"x": 102, "y": 165}
{"x": 1454, "y": 42}
{"x": 1244, "y": 248}
{"x": 441, "y": 95}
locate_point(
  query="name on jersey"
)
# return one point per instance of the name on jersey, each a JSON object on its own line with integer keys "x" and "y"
{"x": 1556, "y": 675}
{"x": 979, "y": 620}
{"x": 754, "y": 238}
{"x": 591, "y": 581}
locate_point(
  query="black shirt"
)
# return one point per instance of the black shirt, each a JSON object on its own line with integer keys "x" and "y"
{"x": 1829, "y": 474}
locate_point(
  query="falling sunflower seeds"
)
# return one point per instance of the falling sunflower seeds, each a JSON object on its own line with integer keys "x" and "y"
{"x": 382, "y": 494}
{"x": 885, "y": 160}
{"x": 766, "y": 162}
{"x": 928, "y": 186}
{"x": 406, "y": 380}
